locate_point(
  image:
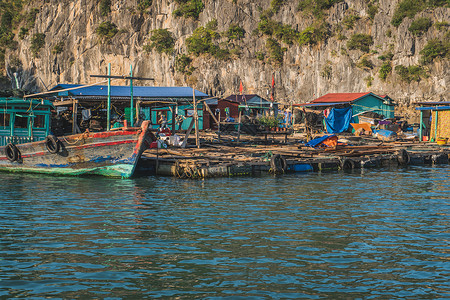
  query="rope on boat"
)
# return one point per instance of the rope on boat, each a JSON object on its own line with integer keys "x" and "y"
{"x": 83, "y": 136}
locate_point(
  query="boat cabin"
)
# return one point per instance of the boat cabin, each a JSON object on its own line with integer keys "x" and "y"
{"x": 24, "y": 120}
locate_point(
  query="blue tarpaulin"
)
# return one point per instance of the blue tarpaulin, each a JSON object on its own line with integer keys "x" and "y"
{"x": 317, "y": 141}
{"x": 339, "y": 119}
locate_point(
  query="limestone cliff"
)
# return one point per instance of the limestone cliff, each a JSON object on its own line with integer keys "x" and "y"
{"x": 72, "y": 48}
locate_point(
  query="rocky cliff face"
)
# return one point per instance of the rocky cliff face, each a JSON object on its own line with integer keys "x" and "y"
{"x": 73, "y": 50}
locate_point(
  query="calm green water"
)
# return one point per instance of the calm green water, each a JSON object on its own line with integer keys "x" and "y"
{"x": 378, "y": 234}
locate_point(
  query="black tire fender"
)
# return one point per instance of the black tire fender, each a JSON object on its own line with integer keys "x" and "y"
{"x": 403, "y": 157}
{"x": 52, "y": 144}
{"x": 12, "y": 152}
{"x": 347, "y": 164}
{"x": 278, "y": 163}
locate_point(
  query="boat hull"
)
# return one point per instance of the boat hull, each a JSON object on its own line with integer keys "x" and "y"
{"x": 111, "y": 153}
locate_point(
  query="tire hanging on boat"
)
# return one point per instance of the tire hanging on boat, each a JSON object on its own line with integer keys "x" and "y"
{"x": 52, "y": 144}
{"x": 12, "y": 152}
{"x": 278, "y": 164}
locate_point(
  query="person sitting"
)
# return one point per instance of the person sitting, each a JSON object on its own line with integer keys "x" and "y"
{"x": 162, "y": 122}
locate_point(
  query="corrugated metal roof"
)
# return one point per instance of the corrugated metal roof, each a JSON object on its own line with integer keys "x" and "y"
{"x": 433, "y": 103}
{"x": 433, "y": 108}
{"x": 138, "y": 91}
{"x": 339, "y": 97}
{"x": 241, "y": 98}
{"x": 320, "y": 104}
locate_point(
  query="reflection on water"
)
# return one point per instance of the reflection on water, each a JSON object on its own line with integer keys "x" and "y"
{"x": 372, "y": 234}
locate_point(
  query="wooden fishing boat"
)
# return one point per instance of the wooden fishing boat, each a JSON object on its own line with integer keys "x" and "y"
{"x": 27, "y": 144}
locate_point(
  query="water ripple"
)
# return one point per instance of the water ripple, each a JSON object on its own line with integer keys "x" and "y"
{"x": 372, "y": 234}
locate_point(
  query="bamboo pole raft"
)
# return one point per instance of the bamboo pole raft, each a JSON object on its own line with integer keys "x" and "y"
{"x": 251, "y": 157}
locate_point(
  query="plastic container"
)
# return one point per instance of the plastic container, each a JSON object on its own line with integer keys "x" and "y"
{"x": 441, "y": 141}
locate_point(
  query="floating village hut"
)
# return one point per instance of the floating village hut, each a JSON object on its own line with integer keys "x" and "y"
{"x": 227, "y": 110}
{"x": 88, "y": 103}
{"x": 341, "y": 109}
{"x": 249, "y": 104}
{"x": 434, "y": 121}
{"x": 22, "y": 121}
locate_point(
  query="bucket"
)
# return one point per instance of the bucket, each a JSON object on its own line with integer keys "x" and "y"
{"x": 441, "y": 141}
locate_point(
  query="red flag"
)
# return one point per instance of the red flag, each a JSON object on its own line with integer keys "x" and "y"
{"x": 273, "y": 88}
{"x": 241, "y": 88}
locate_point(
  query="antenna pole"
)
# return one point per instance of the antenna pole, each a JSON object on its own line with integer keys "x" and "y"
{"x": 108, "y": 113}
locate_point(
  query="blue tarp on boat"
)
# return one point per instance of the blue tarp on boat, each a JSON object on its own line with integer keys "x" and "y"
{"x": 339, "y": 119}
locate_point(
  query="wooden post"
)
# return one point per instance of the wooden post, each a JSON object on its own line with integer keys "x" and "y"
{"x": 239, "y": 126}
{"x": 74, "y": 116}
{"x": 197, "y": 141}
{"x": 420, "y": 126}
{"x": 108, "y": 113}
{"x": 292, "y": 115}
{"x": 138, "y": 109}
{"x": 173, "y": 109}
{"x": 435, "y": 125}
{"x": 157, "y": 159}
{"x": 218, "y": 128}
{"x": 188, "y": 132}
{"x": 131, "y": 98}
{"x": 209, "y": 110}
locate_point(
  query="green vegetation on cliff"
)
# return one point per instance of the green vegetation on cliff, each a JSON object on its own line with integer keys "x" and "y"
{"x": 37, "y": 42}
{"x": 385, "y": 70}
{"x": 420, "y": 26}
{"x": 207, "y": 40}
{"x": 161, "y": 40}
{"x": 360, "y": 41}
{"x": 316, "y": 7}
{"x": 434, "y": 49}
{"x": 58, "y": 48}
{"x": 183, "y": 64}
{"x": 314, "y": 34}
{"x": 107, "y": 30}
{"x": 189, "y": 8}
{"x": 234, "y": 32}
{"x": 411, "y": 73}
{"x": 276, "y": 52}
{"x": 144, "y": 4}
{"x": 105, "y": 7}
{"x": 409, "y": 8}
{"x": 202, "y": 40}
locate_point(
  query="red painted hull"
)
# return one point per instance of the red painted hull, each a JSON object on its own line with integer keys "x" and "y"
{"x": 111, "y": 153}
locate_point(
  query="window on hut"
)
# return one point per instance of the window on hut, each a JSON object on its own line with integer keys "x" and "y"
{"x": 21, "y": 121}
{"x": 4, "y": 120}
{"x": 39, "y": 121}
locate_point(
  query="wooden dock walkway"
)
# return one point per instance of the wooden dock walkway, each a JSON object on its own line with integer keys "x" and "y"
{"x": 253, "y": 157}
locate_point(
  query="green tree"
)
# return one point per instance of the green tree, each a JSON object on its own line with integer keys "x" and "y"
{"x": 276, "y": 52}
{"x": 201, "y": 41}
{"x": 105, "y": 7}
{"x": 162, "y": 41}
{"x": 37, "y": 42}
{"x": 360, "y": 41}
{"x": 144, "y": 4}
{"x": 434, "y": 49}
{"x": 189, "y": 8}
{"x": 107, "y": 30}
{"x": 235, "y": 32}
{"x": 183, "y": 64}
{"x": 385, "y": 70}
{"x": 411, "y": 73}
{"x": 407, "y": 8}
{"x": 420, "y": 26}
